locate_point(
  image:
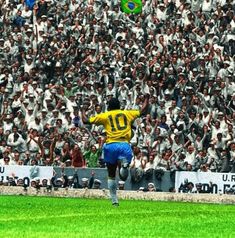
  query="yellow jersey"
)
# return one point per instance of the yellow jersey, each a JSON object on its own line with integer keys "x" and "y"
{"x": 117, "y": 124}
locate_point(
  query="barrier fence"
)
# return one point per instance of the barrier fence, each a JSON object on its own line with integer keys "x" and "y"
{"x": 205, "y": 182}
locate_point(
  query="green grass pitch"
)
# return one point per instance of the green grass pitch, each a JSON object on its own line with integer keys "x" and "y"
{"x": 35, "y": 217}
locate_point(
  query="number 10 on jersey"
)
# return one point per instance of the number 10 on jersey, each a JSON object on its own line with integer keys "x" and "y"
{"x": 118, "y": 122}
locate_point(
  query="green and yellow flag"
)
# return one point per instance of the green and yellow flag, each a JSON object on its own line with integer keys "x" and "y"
{"x": 131, "y": 6}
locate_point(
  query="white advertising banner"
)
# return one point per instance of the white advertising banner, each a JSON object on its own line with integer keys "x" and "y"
{"x": 22, "y": 172}
{"x": 214, "y": 182}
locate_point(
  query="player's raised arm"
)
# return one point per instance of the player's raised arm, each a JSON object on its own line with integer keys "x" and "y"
{"x": 145, "y": 104}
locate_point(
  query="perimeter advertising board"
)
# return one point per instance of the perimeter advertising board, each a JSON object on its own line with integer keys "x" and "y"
{"x": 22, "y": 172}
{"x": 214, "y": 182}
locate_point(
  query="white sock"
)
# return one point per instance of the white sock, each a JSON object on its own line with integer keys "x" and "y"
{"x": 112, "y": 185}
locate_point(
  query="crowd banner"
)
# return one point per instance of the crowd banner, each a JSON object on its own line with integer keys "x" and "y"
{"x": 22, "y": 172}
{"x": 213, "y": 182}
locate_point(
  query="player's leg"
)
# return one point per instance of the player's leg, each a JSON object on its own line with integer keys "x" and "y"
{"x": 112, "y": 185}
{"x": 124, "y": 159}
{"x": 123, "y": 167}
{"x": 109, "y": 153}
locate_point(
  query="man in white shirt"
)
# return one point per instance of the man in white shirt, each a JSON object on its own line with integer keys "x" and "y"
{"x": 36, "y": 124}
{"x": 32, "y": 142}
{"x": 29, "y": 64}
{"x": 7, "y": 123}
{"x": 190, "y": 154}
{"x": 16, "y": 141}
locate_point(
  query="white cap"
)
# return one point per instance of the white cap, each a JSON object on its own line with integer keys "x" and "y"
{"x": 97, "y": 181}
{"x": 151, "y": 184}
{"x": 84, "y": 180}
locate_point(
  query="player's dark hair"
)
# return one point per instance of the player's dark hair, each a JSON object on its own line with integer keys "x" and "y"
{"x": 113, "y": 104}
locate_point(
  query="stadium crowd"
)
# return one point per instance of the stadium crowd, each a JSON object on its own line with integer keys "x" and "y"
{"x": 58, "y": 57}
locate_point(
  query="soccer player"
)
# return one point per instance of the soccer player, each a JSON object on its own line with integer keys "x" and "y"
{"x": 117, "y": 150}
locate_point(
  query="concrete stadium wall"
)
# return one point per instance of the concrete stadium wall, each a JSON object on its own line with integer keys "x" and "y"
{"x": 101, "y": 174}
{"x": 130, "y": 195}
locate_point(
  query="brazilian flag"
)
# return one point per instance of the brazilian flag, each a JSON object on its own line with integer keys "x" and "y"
{"x": 131, "y": 6}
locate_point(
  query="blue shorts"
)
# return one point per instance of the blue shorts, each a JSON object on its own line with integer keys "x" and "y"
{"x": 115, "y": 151}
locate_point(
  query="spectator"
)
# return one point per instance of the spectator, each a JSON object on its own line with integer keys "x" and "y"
{"x": 92, "y": 156}
{"x": 19, "y": 20}
{"x": 77, "y": 157}
{"x": 138, "y": 164}
{"x": 150, "y": 188}
{"x": 121, "y": 185}
{"x": 56, "y": 58}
